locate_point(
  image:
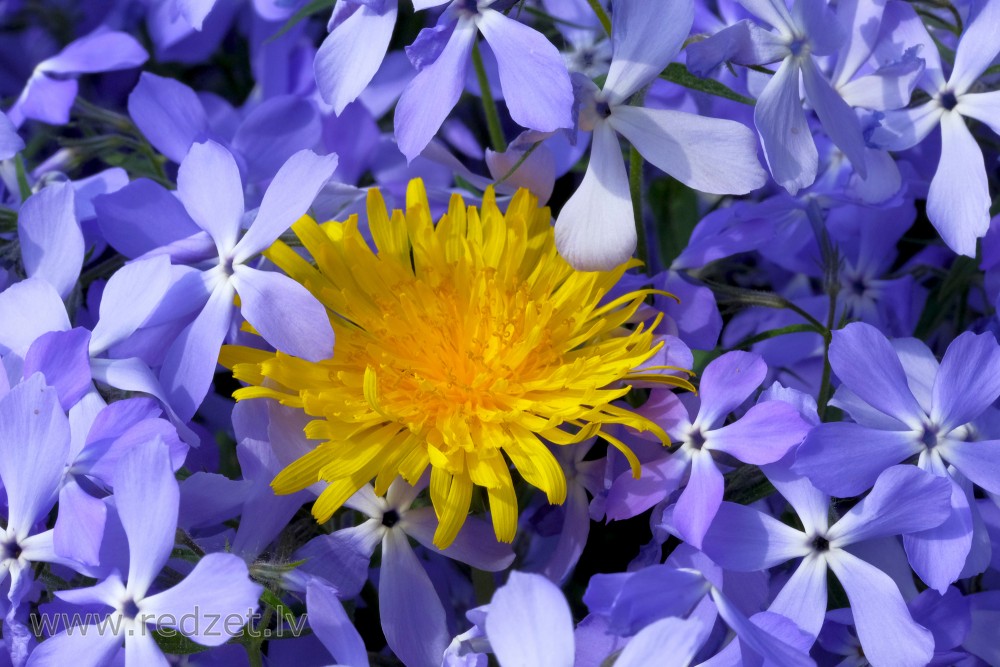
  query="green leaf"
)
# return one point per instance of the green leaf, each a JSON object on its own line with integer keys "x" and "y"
{"x": 746, "y": 485}
{"x": 679, "y": 74}
{"x": 171, "y": 641}
{"x": 308, "y": 10}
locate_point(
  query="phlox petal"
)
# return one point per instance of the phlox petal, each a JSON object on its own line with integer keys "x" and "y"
{"x": 839, "y": 120}
{"x": 351, "y": 54}
{"x": 746, "y": 540}
{"x": 675, "y": 637}
{"x": 209, "y": 184}
{"x": 27, "y": 310}
{"x": 475, "y": 543}
{"x": 142, "y": 217}
{"x": 595, "y": 230}
{"x": 690, "y": 147}
{"x": 700, "y": 499}
{"x": 433, "y": 92}
{"x": 905, "y": 499}
{"x": 534, "y": 80}
{"x": 984, "y": 107}
{"x": 978, "y": 47}
{"x": 887, "y": 631}
{"x": 287, "y": 199}
{"x": 968, "y": 381}
{"x": 129, "y": 297}
{"x": 34, "y": 444}
{"x": 844, "y": 459}
{"x": 645, "y": 37}
{"x": 329, "y": 621}
{"x": 147, "y": 498}
{"x": 169, "y": 114}
{"x": 413, "y": 618}
{"x": 285, "y": 313}
{"x": 788, "y": 144}
{"x": 863, "y": 359}
{"x": 51, "y": 240}
{"x": 529, "y": 622}
{"x": 958, "y": 202}
{"x": 219, "y": 586}
{"x": 191, "y": 360}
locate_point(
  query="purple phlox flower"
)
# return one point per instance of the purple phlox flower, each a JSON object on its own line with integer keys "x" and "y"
{"x": 595, "y": 229}
{"x": 207, "y": 499}
{"x": 36, "y": 329}
{"x": 904, "y": 404}
{"x": 50, "y": 92}
{"x": 810, "y": 29}
{"x": 763, "y": 435}
{"x": 101, "y": 434}
{"x": 286, "y": 315}
{"x": 34, "y": 440}
{"x": 690, "y": 587}
{"x": 958, "y": 202}
{"x": 559, "y": 532}
{"x": 867, "y": 240}
{"x": 412, "y": 615}
{"x": 903, "y": 500}
{"x": 588, "y": 47}
{"x": 146, "y": 496}
{"x": 533, "y": 78}
{"x": 10, "y": 141}
{"x": 948, "y": 617}
{"x": 352, "y": 53}
{"x": 262, "y": 136}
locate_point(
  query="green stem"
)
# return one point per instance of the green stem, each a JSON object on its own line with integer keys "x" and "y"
{"x": 102, "y": 270}
{"x": 602, "y": 15}
{"x": 825, "y": 385}
{"x": 22, "y": 177}
{"x": 635, "y": 190}
{"x": 517, "y": 165}
{"x": 489, "y": 104}
{"x": 187, "y": 541}
{"x": 831, "y": 285}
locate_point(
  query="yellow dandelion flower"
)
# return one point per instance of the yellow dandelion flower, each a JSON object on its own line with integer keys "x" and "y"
{"x": 465, "y": 346}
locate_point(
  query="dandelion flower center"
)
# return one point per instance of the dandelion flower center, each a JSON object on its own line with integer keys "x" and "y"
{"x": 465, "y": 346}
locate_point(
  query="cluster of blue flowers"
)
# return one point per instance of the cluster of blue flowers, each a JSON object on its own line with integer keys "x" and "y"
{"x": 812, "y": 182}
